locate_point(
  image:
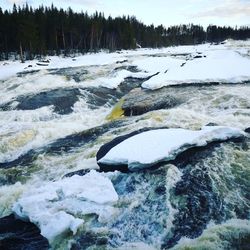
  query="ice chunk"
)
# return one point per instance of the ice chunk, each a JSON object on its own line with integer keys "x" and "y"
{"x": 56, "y": 206}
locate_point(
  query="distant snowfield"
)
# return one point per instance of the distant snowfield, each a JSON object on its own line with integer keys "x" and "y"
{"x": 226, "y": 63}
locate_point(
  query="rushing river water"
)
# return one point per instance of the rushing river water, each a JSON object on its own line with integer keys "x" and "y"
{"x": 52, "y": 125}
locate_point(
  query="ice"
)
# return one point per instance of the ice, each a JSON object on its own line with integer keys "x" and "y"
{"x": 116, "y": 79}
{"x": 153, "y": 146}
{"x": 56, "y": 207}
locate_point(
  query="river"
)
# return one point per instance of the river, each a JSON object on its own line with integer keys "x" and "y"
{"x": 52, "y": 125}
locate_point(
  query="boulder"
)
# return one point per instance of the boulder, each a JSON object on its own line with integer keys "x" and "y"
{"x": 150, "y": 147}
{"x": 247, "y": 130}
{"x": 18, "y": 234}
{"x": 139, "y": 101}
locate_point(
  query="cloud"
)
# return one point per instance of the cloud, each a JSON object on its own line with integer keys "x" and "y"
{"x": 84, "y": 3}
{"x": 16, "y": 1}
{"x": 227, "y": 9}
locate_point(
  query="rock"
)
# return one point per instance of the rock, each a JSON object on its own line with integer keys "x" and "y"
{"x": 139, "y": 101}
{"x": 247, "y": 130}
{"x": 17, "y": 234}
{"x": 212, "y": 124}
{"x": 80, "y": 172}
{"x": 123, "y": 61}
{"x": 62, "y": 99}
{"x": 195, "y": 57}
{"x": 29, "y": 66}
{"x": 42, "y": 64}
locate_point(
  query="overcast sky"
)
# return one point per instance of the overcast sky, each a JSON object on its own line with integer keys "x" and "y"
{"x": 166, "y": 12}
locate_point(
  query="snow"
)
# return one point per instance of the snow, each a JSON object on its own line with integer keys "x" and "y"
{"x": 114, "y": 80}
{"x": 157, "y": 64}
{"x": 219, "y": 65}
{"x": 56, "y": 206}
{"x": 148, "y": 148}
{"x": 9, "y": 68}
{"x": 228, "y": 63}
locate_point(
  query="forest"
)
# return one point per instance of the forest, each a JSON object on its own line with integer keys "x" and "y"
{"x": 30, "y": 33}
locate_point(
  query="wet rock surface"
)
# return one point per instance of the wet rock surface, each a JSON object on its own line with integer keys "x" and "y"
{"x": 62, "y": 99}
{"x": 247, "y": 130}
{"x": 16, "y": 234}
{"x": 77, "y": 73}
{"x": 140, "y": 101}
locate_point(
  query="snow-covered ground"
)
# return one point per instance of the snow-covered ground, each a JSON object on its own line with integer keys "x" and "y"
{"x": 226, "y": 63}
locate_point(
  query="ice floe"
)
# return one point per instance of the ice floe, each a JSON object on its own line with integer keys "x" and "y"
{"x": 150, "y": 147}
{"x": 57, "y": 207}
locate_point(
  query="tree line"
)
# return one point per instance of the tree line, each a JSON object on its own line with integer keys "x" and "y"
{"x": 29, "y": 32}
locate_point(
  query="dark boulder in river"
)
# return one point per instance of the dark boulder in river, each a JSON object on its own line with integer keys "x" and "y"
{"x": 139, "y": 101}
{"x": 247, "y": 130}
{"x": 17, "y": 234}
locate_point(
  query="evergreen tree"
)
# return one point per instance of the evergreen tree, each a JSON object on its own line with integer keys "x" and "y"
{"x": 47, "y": 30}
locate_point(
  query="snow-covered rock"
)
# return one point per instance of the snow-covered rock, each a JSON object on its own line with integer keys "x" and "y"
{"x": 147, "y": 148}
{"x": 116, "y": 79}
{"x": 58, "y": 206}
{"x": 223, "y": 66}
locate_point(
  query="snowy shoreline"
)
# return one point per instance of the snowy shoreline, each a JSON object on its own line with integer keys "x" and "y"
{"x": 227, "y": 62}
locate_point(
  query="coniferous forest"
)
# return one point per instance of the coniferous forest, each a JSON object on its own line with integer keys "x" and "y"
{"x": 51, "y": 31}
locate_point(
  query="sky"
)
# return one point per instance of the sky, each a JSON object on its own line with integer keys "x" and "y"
{"x": 166, "y": 12}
